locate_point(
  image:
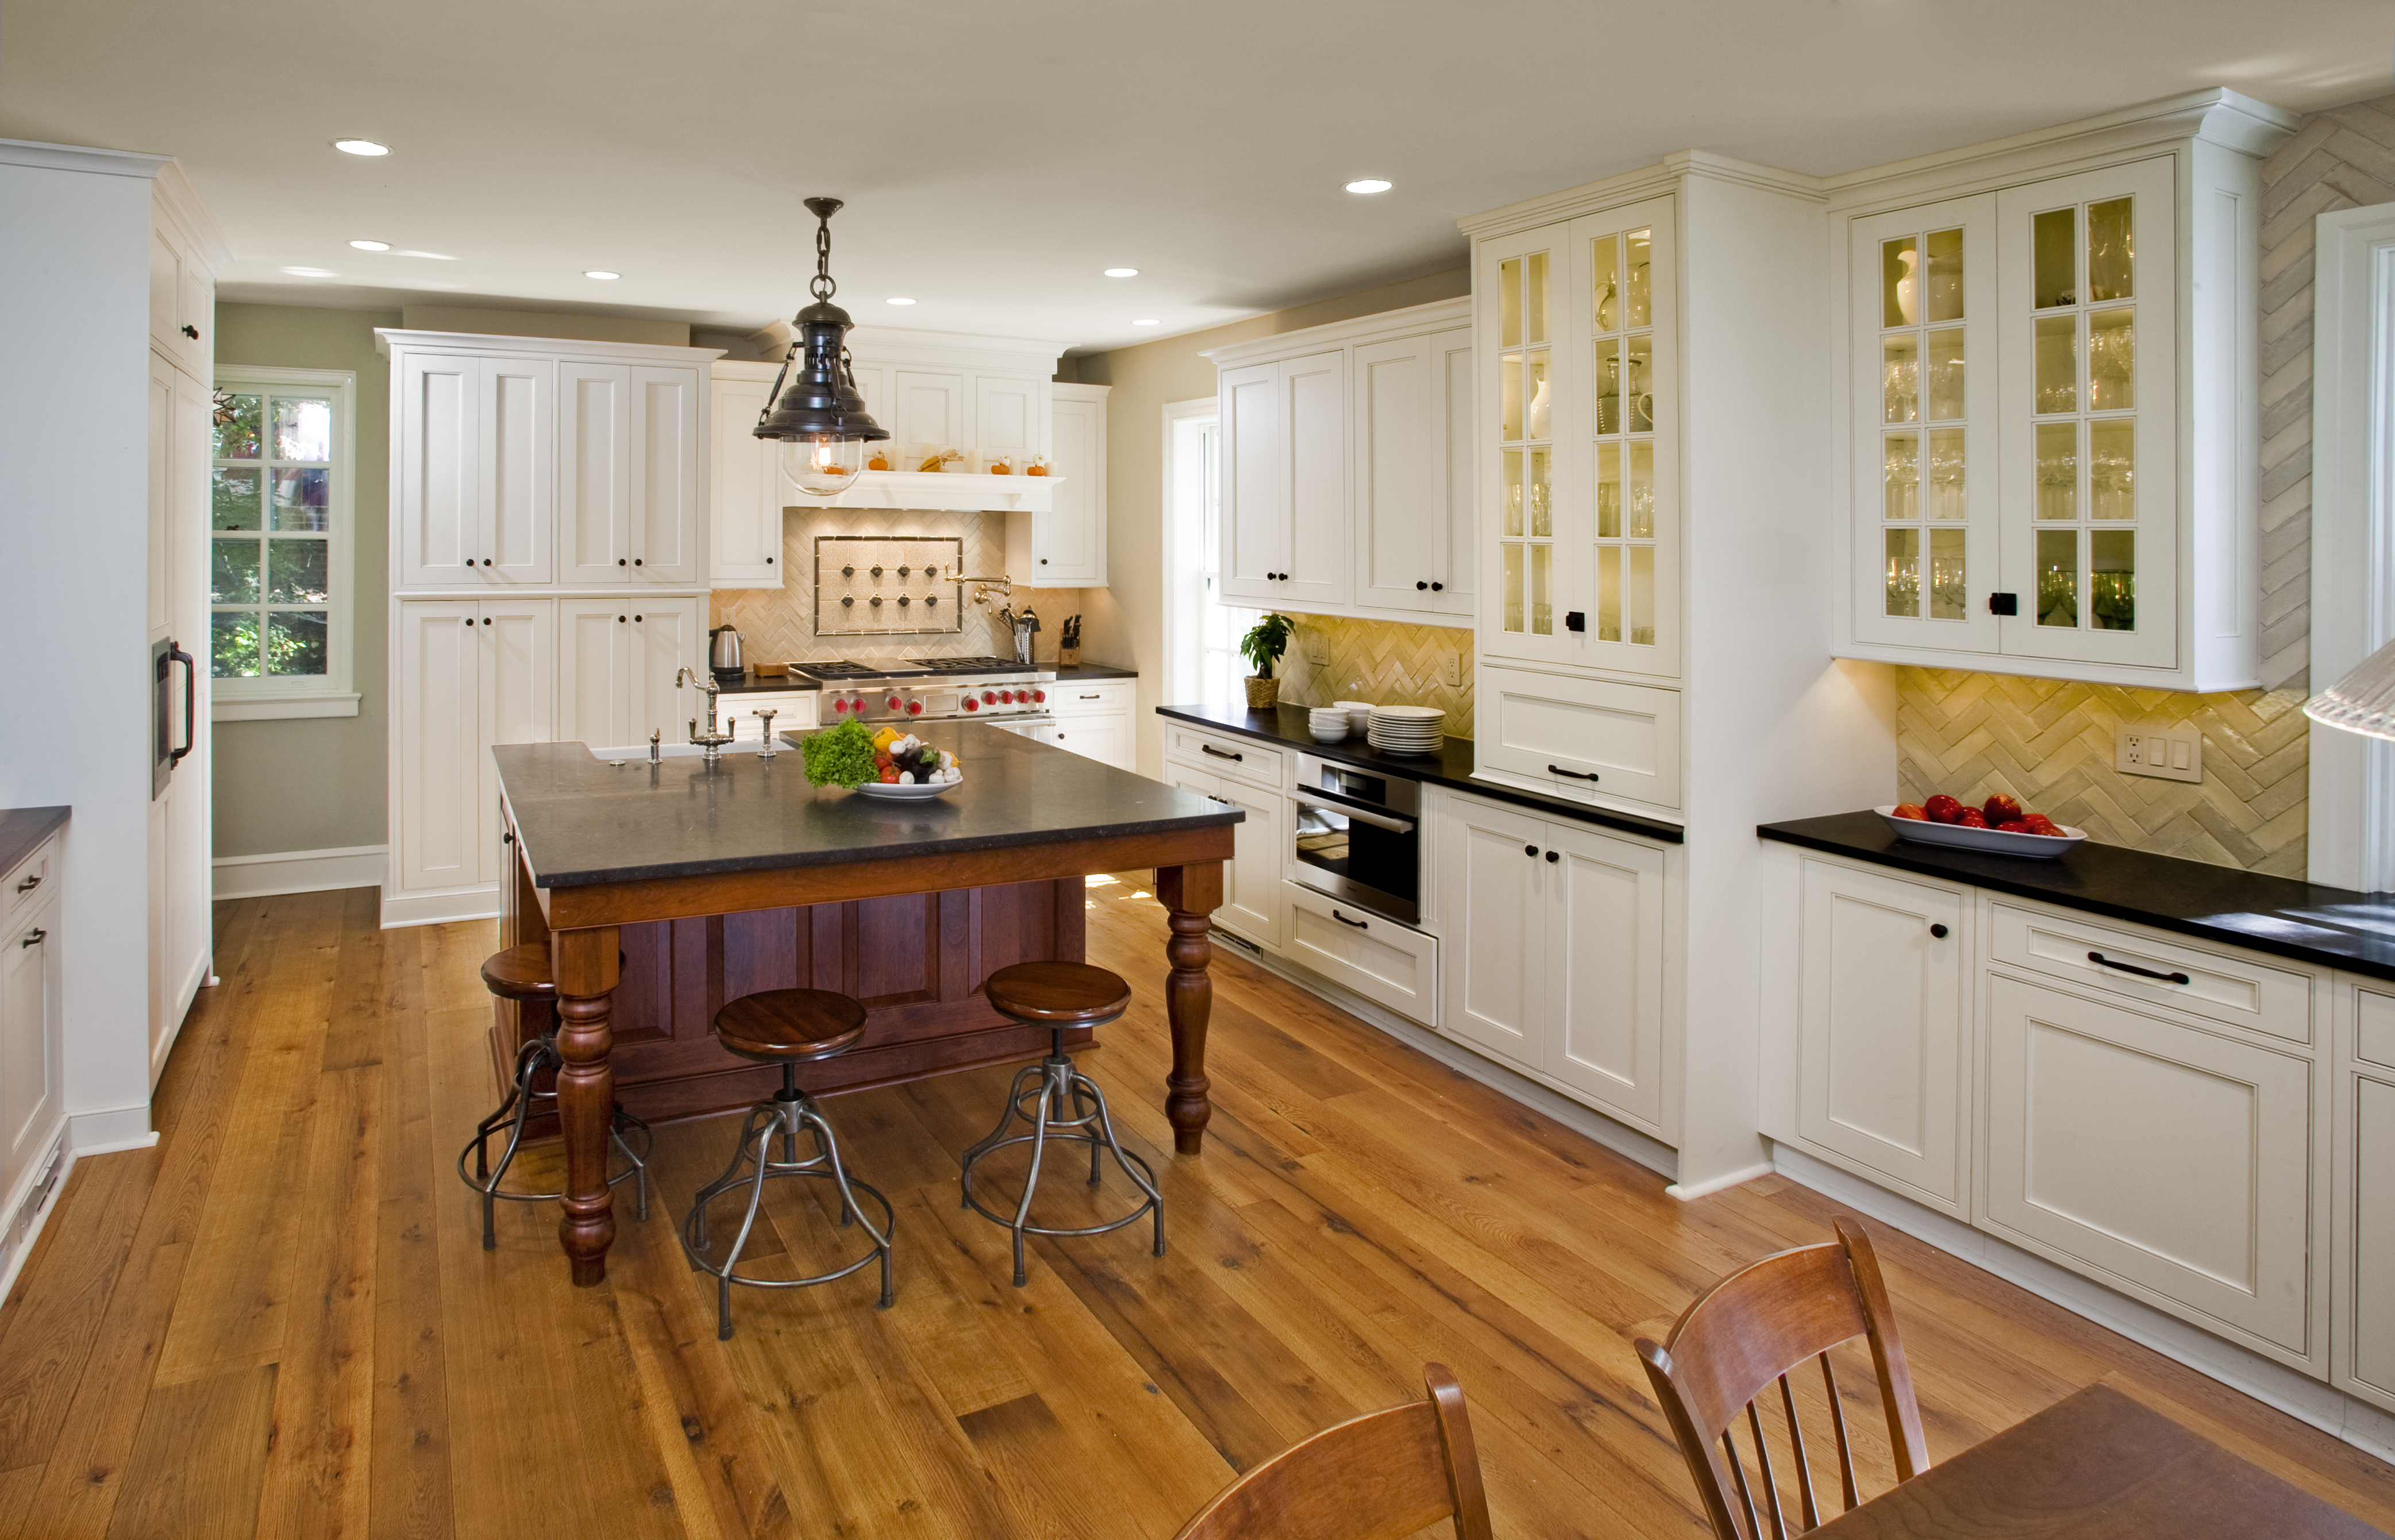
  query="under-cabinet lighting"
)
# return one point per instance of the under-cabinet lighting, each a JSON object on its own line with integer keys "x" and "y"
{"x": 361, "y": 146}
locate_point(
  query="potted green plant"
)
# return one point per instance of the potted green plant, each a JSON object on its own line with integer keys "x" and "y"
{"x": 1263, "y": 645}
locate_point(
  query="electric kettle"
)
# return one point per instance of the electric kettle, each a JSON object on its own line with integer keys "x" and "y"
{"x": 724, "y": 656}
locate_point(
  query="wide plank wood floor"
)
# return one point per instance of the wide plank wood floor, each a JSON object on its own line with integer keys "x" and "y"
{"x": 280, "y": 1321}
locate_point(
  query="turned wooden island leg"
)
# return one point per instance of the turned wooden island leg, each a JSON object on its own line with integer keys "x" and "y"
{"x": 1190, "y": 893}
{"x": 586, "y": 964}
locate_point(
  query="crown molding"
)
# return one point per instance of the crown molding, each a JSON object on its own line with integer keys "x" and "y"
{"x": 78, "y": 157}
{"x": 387, "y": 338}
{"x": 1438, "y": 316}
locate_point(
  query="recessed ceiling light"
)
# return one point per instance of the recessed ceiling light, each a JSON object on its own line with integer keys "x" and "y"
{"x": 599, "y": 273}
{"x": 361, "y": 146}
{"x": 897, "y": 301}
{"x": 308, "y": 272}
{"x": 371, "y": 246}
{"x": 1369, "y": 184}
{"x": 1122, "y": 272}
{"x": 1151, "y": 322}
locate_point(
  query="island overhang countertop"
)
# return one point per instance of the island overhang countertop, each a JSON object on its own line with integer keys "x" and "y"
{"x": 585, "y": 822}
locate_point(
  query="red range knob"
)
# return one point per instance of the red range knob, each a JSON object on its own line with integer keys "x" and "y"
{"x": 840, "y": 706}
{"x": 1006, "y": 698}
{"x": 893, "y": 703}
{"x": 972, "y": 705}
{"x": 914, "y": 708}
{"x": 989, "y": 697}
{"x": 1040, "y": 694}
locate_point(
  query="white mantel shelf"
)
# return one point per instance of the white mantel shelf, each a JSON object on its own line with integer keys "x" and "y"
{"x": 941, "y": 491}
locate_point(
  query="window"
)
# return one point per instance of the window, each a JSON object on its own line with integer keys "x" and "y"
{"x": 1206, "y": 664}
{"x": 279, "y": 520}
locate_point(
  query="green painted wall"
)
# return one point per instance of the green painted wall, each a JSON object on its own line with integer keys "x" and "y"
{"x": 317, "y": 783}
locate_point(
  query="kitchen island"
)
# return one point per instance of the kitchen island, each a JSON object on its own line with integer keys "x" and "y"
{"x": 706, "y": 882}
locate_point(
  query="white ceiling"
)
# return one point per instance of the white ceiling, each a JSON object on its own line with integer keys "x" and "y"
{"x": 996, "y": 157}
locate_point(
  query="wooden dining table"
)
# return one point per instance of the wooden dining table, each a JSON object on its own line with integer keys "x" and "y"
{"x": 2097, "y": 1466}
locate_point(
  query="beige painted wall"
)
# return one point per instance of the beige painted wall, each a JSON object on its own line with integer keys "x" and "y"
{"x": 316, "y": 783}
{"x": 1124, "y": 624}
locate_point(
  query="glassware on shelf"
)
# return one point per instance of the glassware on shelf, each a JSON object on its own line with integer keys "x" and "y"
{"x": 1903, "y": 477}
{"x": 2058, "y": 577}
{"x": 1608, "y": 389}
{"x": 1942, "y": 360}
{"x": 1534, "y": 297}
{"x": 2058, "y": 363}
{"x": 2112, "y": 579}
{"x": 1902, "y": 394}
{"x": 2111, "y": 251}
{"x": 1942, "y": 275}
{"x": 2111, "y": 468}
{"x": 1542, "y": 494}
{"x": 2058, "y": 470}
{"x": 2113, "y": 360}
{"x": 1638, "y": 249}
{"x": 1543, "y": 611}
{"x": 1609, "y": 491}
{"x": 1509, "y": 371}
{"x": 1511, "y": 555}
{"x": 1605, "y": 264}
{"x": 1608, "y": 594}
{"x": 1638, "y": 596}
{"x": 1637, "y": 400}
{"x": 1639, "y": 490}
{"x": 1511, "y": 509}
{"x": 1509, "y": 302}
{"x": 1946, "y": 500}
{"x": 2053, "y": 257}
{"x": 1947, "y": 594}
{"x": 1904, "y": 572}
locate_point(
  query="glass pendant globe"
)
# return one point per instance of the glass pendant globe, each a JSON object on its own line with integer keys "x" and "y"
{"x": 824, "y": 466}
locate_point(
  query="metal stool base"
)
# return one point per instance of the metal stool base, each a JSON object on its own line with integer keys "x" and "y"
{"x": 516, "y": 1112}
{"x": 1054, "y": 1083}
{"x": 783, "y": 1116}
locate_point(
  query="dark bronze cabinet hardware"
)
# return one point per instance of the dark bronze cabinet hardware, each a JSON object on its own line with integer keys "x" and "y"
{"x": 2103, "y": 961}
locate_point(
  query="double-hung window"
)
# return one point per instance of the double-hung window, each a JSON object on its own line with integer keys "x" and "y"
{"x": 280, "y": 527}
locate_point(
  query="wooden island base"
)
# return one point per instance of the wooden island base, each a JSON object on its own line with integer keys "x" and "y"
{"x": 917, "y": 962}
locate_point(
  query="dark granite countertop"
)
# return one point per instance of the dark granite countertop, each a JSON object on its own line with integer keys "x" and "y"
{"x": 1091, "y": 672}
{"x": 2329, "y": 926}
{"x": 23, "y": 828}
{"x": 585, "y": 820}
{"x": 1450, "y": 766}
{"x": 755, "y": 685}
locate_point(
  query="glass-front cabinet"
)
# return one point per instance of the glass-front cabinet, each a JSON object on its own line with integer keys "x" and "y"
{"x": 1578, "y": 406}
{"x": 2018, "y": 496}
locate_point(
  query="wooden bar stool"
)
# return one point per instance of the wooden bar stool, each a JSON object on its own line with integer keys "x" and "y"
{"x": 1058, "y": 995}
{"x": 788, "y": 1027}
{"x": 522, "y": 973}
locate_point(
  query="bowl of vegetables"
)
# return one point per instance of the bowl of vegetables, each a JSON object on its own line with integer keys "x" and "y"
{"x": 888, "y": 763}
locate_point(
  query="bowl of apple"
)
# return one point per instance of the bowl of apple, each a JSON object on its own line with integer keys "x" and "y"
{"x": 2000, "y": 825}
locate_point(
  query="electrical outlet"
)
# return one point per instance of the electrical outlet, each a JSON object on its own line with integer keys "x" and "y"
{"x": 1317, "y": 647}
{"x": 2168, "y": 753}
{"x": 1454, "y": 671}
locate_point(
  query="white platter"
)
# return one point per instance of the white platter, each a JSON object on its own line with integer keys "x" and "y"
{"x": 2044, "y": 848}
{"x": 902, "y": 793}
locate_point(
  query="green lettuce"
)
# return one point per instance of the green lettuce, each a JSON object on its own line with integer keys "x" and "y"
{"x": 841, "y": 756}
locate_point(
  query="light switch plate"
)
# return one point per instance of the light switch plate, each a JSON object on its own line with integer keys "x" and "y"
{"x": 1455, "y": 669}
{"x": 2168, "y": 753}
{"x": 1317, "y": 647}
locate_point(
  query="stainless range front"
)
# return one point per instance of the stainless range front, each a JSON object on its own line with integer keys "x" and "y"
{"x": 933, "y": 689}
{"x": 1357, "y": 836}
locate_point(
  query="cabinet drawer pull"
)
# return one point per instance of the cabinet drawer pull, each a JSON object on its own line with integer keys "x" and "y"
{"x": 2103, "y": 961}
{"x": 35, "y": 939}
{"x": 1220, "y": 753}
{"x": 28, "y": 885}
{"x": 1359, "y": 924}
{"x": 1939, "y": 931}
{"x": 1573, "y": 775}
{"x": 1092, "y": 697}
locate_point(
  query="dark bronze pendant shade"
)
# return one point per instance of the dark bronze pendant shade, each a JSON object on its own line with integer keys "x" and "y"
{"x": 820, "y": 419}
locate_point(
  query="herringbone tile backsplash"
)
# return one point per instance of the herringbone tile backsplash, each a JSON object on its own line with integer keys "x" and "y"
{"x": 2051, "y": 744}
{"x": 1384, "y": 663}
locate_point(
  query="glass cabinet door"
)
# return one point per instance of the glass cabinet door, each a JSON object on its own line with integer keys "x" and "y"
{"x": 1626, "y": 428}
{"x": 1924, "y": 406}
{"x": 2086, "y": 265}
{"x": 1522, "y": 385}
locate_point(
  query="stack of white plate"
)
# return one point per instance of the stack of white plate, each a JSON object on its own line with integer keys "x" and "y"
{"x": 1408, "y": 729}
{"x": 1327, "y": 724}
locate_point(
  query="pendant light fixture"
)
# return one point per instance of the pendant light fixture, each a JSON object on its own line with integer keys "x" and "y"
{"x": 2363, "y": 701}
{"x": 821, "y": 420}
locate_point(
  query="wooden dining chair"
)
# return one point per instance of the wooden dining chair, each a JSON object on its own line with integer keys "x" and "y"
{"x": 1756, "y": 1326}
{"x": 1376, "y": 1477}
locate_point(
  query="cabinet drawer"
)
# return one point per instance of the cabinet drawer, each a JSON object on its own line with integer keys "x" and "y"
{"x": 1586, "y": 740}
{"x": 2373, "y": 1032}
{"x": 792, "y": 711}
{"x": 2162, "y": 1158}
{"x": 1226, "y": 755}
{"x": 32, "y": 881}
{"x": 2237, "y": 990}
{"x": 1067, "y": 699}
{"x": 1379, "y": 959}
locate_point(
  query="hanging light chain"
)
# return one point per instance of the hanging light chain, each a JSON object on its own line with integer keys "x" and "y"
{"x": 823, "y": 288}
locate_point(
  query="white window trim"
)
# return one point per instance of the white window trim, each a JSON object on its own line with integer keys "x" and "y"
{"x": 1183, "y": 525}
{"x": 332, "y": 694}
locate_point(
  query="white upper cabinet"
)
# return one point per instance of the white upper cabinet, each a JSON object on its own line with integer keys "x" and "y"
{"x": 1413, "y": 449}
{"x": 516, "y": 470}
{"x": 745, "y": 487}
{"x": 594, "y": 471}
{"x": 1065, "y": 545}
{"x": 1284, "y": 514}
{"x": 477, "y": 469}
{"x": 2049, "y": 382}
{"x": 1007, "y": 426}
{"x": 669, "y": 516}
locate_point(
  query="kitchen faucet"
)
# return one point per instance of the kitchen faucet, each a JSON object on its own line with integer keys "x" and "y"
{"x": 711, "y": 742}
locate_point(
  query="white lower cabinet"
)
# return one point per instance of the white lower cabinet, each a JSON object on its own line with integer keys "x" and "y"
{"x": 1554, "y": 936}
{"x": 1881, "y": 1072}
{"x": 1095, "y": 719}
{"x": 31, "y": 1030}
{"x": 1379, "y": 959}
{"x": 472, "y": 674}
{"x": 1252, "y": 902}
{"x": 2163, "y": 1157}
{"x": 1581, "y": 738}
{"x": 615, "y": 667}
{"x": 2362, "y": 1287}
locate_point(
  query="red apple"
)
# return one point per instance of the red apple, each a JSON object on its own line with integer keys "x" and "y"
{"x": 2040, "y": 824}
{"x": 1909, "y": 810}
{"x": 1971, "y": 818}
{"x": 1941, "y": 808}
{"x": 2002, "y": 809}
{"x": 2015, "y": 826}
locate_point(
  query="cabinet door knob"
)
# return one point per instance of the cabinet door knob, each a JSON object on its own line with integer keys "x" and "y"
{"x": 486, "y": 561}
{"x": 619, "y": 619}
{"x": 620, "y": 562}
{"x": 1937, "y": 931}
{"x": 1554, "y": 856}
{"x": 1575, "y": 620}
{"x": 2004, "y": 604}
{"x": 1529, "y": 850}
{"x": 192, "y": 332}
{"x": 1421, "y": 587}
{"x": 636, "y": 561}
{"x": 1438, "y": 588}
{"x": 1043, "y": 560}
{"x": 486, "y": 619}
{"x": 768, "y": 561}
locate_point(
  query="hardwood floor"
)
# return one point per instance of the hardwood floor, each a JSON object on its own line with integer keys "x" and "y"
{"x": 281, "y": 1319}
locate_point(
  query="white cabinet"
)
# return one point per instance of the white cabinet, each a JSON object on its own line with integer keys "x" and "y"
{"x": 1412, "y": 443}
{"x": 1379, "y": 959}
{"x": 1554, "y": 940}
{"x": 475, "y": 460}
{"x": 1095, "y": 719}
{"x": 472, "y": 674}
{"x": 2047, "y": 371}
{"x": 1064, "y": 546}
{"x": 627, "y": 474}
{"x": 1284, "y": 486}
{"x": 2363, "y": 1286}
{"x": 31, "y": 1030}
{"x": 928, "y": 413}
{"x": 1007, "y": 426}
{"x": 744, "y": 488}
{"x": 1881, "y": 1076}
{"x": 1253, "y": 904}
{"x": 617, "y": 662}
{"x": 1577, "y": 736}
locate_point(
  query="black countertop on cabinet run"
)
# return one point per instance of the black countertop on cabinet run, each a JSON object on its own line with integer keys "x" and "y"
{"x": 1088, "y": 671}
{"x": 585, "y": 820}
{"x": 2328, "y": 926}
{"x": 1450, "y": 766}
{"x": 23, "y": 828}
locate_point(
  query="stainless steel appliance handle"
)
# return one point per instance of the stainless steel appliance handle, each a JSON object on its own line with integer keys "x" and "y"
{"x": 175, "y": 654}
{"x": 1377, "y": 820}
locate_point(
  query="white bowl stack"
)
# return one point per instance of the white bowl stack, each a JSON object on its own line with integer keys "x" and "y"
{"x": 1408, "y": 729}
{"x": 1359, "y": 714}
{"x": 1327, "y": 724}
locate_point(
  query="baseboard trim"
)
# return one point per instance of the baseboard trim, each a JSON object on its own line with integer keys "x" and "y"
{"x": 1623, "y": 1140}
{"x": 109, "y": 1130}
{"x": 2273, "y": 1384}
{"x": 1719, "y": 1184}
{"x": 400, "y": 910}
{"x": 300, "y": 871}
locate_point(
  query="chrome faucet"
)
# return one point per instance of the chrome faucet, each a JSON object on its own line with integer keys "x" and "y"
{"x": 765, "y": 749}
{"x": 710, "y": 743}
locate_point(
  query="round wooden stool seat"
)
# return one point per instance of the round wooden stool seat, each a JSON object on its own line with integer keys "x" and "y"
{"x": 520, "y": 972}
{"x": 790, "y": 1026}
{"x": 1059, "y": 994}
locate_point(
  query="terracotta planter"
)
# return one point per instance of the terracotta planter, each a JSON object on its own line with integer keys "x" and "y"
{"x": 1263, "y": 694}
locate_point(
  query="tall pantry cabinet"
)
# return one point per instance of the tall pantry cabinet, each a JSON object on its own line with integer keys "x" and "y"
{"x": 549, "y": 546}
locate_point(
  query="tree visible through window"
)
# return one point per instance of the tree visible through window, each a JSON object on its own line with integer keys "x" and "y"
{"x": 273, "y": 513}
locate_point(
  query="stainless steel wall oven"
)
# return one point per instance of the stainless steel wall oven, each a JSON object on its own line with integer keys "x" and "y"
{"x": 1357, "y": 836}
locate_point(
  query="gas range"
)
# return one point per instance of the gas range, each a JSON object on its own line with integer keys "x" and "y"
{"x": 929, "y": 689}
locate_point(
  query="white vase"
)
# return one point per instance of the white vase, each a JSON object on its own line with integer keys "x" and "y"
{"x": 1908, "y": 289}
{"x": 1539, "y": 412}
